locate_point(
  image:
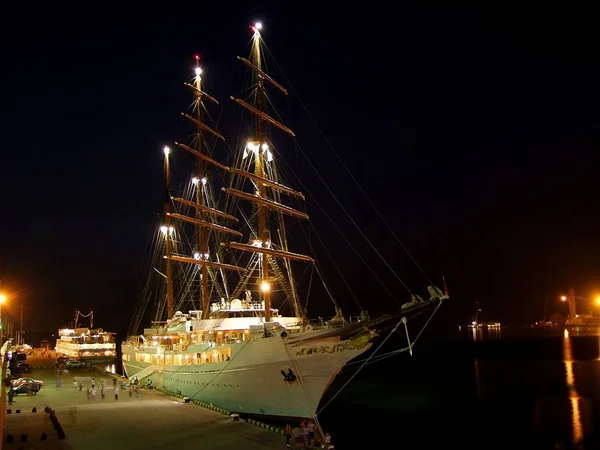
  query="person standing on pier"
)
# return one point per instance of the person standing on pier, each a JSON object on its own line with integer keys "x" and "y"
{"x": 311, "y": 433}
{"x": 116, "y": 393}
{"x": 73, "y": 415}
{"x": 327, "y": 445}
{"x": 288, "y": 435}
{"x": 305, "y": 434}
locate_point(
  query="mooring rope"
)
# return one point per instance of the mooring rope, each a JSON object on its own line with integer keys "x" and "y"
{"x": 376, "y": 350}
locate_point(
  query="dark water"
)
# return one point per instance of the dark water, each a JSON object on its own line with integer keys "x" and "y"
{"x": 512, "y": 388}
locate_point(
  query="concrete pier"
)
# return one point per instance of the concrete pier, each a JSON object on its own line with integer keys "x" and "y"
{"x": 149, "y": 420}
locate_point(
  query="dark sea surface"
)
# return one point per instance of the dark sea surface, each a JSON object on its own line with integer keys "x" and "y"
{"x": 505, "y": 388}
{"x": 509, "y": 388}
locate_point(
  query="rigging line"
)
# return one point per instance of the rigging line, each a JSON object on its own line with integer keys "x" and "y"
{"x": 141, "y": 302}
{"x": 221, "y": 371}
{"x": 287, "y": 166}
{"x": 426, "y": 323}
{"x": 380, "y": 357}
{"x": 368, "y": 266}
{"x": 376, "y": 359}
{"x": 353, "y": 223}
{"x": 371, "y": 360}
{"x": 348, "y": 171}
{"x": 359, "y": 369}
{"x": 331, "y": 296}
{"x": 300, "y": 379}
{"x": 310, "y": 281}
{"x": 384, "y": 285}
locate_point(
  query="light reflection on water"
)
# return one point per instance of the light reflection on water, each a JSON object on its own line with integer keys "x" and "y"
{"x": 576, "y": 422}
{"x": 485, "y": 333}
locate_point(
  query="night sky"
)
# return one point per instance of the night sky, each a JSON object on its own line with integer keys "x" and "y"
{"x": 473, "y": 132}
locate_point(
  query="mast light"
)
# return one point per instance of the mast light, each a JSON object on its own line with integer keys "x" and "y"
{"x": 166, "y": 150}
{"x": 165, "y": 230}
{"x": 258, "y": 25}
{"x": 265, "y": 286}
{"x": 198, "y": 71}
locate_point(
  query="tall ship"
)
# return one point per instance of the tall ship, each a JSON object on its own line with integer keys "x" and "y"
{"x": 246, "y": 343}
{"x": 87, "y": 344}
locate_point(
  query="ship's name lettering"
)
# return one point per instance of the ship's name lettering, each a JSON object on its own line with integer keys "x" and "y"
{"x": 327, "y": 349}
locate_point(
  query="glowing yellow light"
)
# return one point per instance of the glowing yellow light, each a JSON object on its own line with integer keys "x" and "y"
{"x": 166, "y": 150}
{"x": 265, "y": 286}
{"x": 167, "y": 230}
{"x": 563, "y": 298}
{"x": 2, "y": 298}
{"x": 258, "y": 25}
{"x": 598, "y": 301}
{"x": 198, "y": 71}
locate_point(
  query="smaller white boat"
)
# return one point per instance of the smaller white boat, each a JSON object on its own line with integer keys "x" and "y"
{"x": 90, "y": 345}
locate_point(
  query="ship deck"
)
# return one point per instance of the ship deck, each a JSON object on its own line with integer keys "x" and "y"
{"x": 151, "y": 420}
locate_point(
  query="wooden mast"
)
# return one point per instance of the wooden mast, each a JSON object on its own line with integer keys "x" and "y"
{"x": 205, "y": 215}
{"x": 200, "y": 199}
{"x": 259, "y": 170}
{"x": 167, "y": 230}
{"x": 265, "y": 182}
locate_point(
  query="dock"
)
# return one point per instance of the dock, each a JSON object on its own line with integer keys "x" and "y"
{"x": 148, "y": 420}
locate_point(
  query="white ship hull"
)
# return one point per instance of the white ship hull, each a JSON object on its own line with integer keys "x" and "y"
{"x": 252, "y": 382}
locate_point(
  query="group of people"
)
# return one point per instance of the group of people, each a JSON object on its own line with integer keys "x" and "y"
{"x": 91, "y": 389}
{"x": 304, "y": 436}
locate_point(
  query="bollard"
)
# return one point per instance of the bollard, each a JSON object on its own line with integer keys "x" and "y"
{"x": 43, "y": 437}
{"x": 24, "y": 437}
{"x": 34, "y": 409}
{"x": 10, "y": 439}
{"x": 9, "y": 411}
{"x": 18, "y": 411}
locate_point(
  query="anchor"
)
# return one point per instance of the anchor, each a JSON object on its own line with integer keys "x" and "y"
{"x": 289, "y": 376}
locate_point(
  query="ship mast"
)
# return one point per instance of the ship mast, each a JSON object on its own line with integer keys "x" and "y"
{"x": 265, "y": 182}
{"x": 205, "y": 215}
{"x": 167, "y": 231}
{"x": 259, "y": 170}
{"x": 200, "y": 183}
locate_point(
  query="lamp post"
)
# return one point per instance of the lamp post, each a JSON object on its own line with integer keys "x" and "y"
{"x": 2, "y": 300}
{"x": 2, "y": 376}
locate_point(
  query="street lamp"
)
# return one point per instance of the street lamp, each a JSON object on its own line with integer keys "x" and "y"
{"x": 2, "y": 300}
